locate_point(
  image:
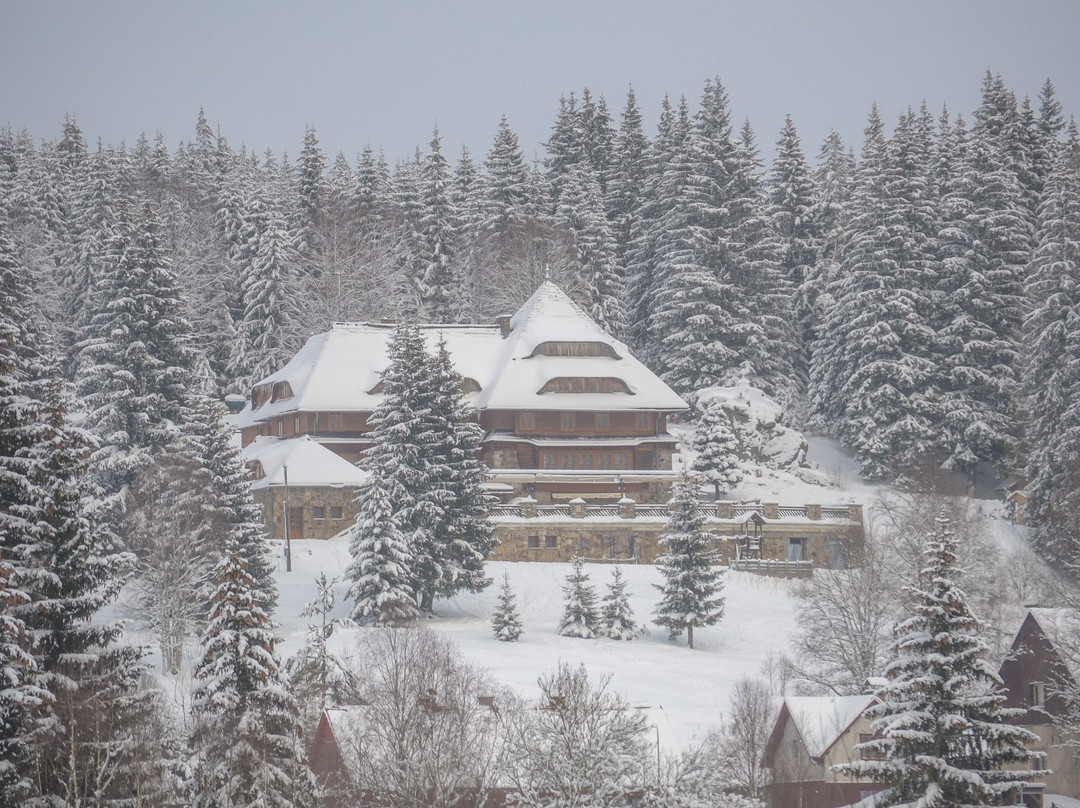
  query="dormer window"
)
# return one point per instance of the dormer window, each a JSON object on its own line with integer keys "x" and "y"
{"x": 574, "y": 349}
{"x": 260, "y": 394}
{"x": 470, "y": 385}
{"x": 585, "y": 384}
{"x": 282, "y": 391}
{"x": 256, "y": 470}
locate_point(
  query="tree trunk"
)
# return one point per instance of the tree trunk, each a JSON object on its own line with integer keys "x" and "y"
{"x": 690, "y": 636}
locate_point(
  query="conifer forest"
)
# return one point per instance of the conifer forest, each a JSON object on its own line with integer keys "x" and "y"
{"x": 914, "y": 296}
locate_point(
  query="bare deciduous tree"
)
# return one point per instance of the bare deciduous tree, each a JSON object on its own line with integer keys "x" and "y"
{"x": 583, "y": 746}
{"x": 427, "y": 735}
{"x": 844, "y": 618}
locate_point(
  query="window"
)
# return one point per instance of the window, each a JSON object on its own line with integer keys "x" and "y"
{"x": 585, "y": 460}
{"x": 533, "y": 542}
{"x": 549, "y": 460}
{"x": 296, "y": 425}
{"x": 527, "y": 420}
{"x": 549, "y": 542}
{"x": 260, "y": 395}
{"x": 280, "y": 428}
{"x": 622, "y": 460}
{"x": 1037, "y": 694}
{"x": 335, "y": 422}
{"x": 603, "y": 422}
{"x": 585, "y": 384}
{"x": 568, "y": 460}
{"x": 335, "y": 512}
{"x": 566, "y": 421}
{"x": 796, "y": 549}
{"x": 470, "y": 385}
{"x": 574, "y": 349}
{"x": 643, "y": 422}
{"x": 318, "y": 512}
{"x": 869, "y": 754}
{"x": 282, "y": 391}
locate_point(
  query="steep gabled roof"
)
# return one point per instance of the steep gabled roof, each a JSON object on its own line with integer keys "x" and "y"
{"x": 820, "y": 721}
{"x": 339, "y": 370}
{"x": 550, "y": 316}
{"x": 310, "y": 464}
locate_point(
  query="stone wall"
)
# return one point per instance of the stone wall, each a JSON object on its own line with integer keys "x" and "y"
{"x": 638, "y": 540}
{"x": 308, "y": 501}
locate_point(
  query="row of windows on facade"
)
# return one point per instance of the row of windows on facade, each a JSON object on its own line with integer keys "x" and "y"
{"x": 586, "y": 461}
{"x": 571, "y": 421}
{"x": 568, "y": 422}
{"x": 609, "y": 546}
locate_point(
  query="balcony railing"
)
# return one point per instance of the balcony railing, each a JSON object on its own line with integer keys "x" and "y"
{"x": 720, "y": 511}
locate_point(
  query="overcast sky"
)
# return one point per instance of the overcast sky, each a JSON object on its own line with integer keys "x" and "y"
{"x": 385, "y": 72}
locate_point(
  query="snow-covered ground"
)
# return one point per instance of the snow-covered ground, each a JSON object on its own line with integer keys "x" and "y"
{"x": 692, "y": 686}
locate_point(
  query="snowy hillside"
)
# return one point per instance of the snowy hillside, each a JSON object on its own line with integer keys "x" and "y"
{"x": 691, "y": 686}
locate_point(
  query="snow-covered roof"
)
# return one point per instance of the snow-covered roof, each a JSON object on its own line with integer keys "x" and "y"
{"x": 309, "y": 464}
{"x": 338, "y": 371}
{"x": 821, "y": 720}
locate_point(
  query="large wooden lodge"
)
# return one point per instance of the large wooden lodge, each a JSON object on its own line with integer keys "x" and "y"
{"x": 575, "y": 437}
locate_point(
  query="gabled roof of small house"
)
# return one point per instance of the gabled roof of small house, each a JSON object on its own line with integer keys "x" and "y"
{"x": 309, "y": 464}
{"x": 1034, "y": 658}
{"x": 339, "y": 370}
{"x": 820, "y": 721}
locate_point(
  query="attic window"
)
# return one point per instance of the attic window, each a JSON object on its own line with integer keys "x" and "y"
{"x": 574, "y": 349}
{"x": 470, "y": 385}
{"x": 282, "y": 391}
{"x": 260, "y": 394}
{"x": 1037, "y": 694}
{"x": 585, "y": 384}
{"x": 256, "y": 470}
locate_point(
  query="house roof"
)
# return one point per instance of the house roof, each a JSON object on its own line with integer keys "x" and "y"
{"x": 309, "y": 464}
{"x": 339, "y": 369}
{"x": 819, "y": 720}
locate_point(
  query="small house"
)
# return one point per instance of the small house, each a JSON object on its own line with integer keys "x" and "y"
{"x": 811, "y": 735}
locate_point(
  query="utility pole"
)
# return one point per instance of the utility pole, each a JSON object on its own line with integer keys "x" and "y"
{"x": 288, "y": 538}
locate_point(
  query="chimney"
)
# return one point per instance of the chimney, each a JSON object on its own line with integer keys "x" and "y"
{"x": 503, "y": 321}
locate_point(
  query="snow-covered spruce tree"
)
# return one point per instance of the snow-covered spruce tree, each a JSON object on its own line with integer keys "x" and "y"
{"x": 90, "y": 748}
{"x": 580, "y": 618}
{"x": 393, "y": 540}
{"x": 714, "y": 441}
{"x": 616, "y": 616}
{"x": 317, "y": 677}
{"x": 231, "y": 511}
{"x": 22, "y": 501}
{"x": 581, "y": 211}
{"x": 793, "y": 230}
{"x": 248, "y": 749}
{"x": 268, "y": 277}
{"x": 506, "y": 623}
{"x": 464, "y": 536}
{"x": 873, "y": 369}
{"x": 134, "y": 365}
{"x": 504, "y": 186}
{"x": 1052, "y": 372}
{"x": 691, "y": 592}
{"x": 626, "y": 181}
{"x": 441, "y": 286}
{"x": 380, "y": 571}
{"x": 311, "y": 195}
{"x": 943, "y": 730}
